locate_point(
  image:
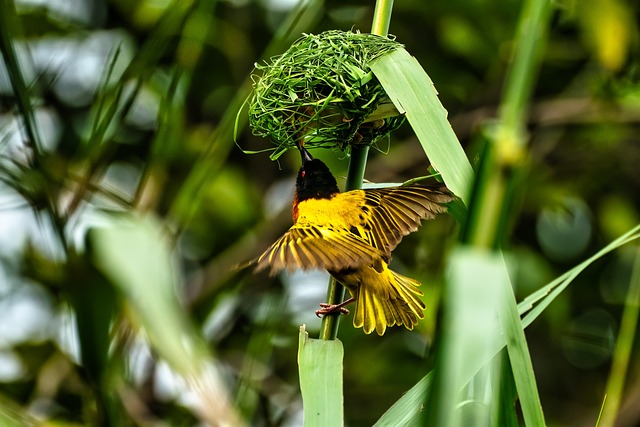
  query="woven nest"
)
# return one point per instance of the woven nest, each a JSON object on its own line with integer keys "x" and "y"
{"x": 322, "y": 93}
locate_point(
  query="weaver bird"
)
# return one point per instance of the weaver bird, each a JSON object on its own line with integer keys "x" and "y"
{"x": 351, "y": 235}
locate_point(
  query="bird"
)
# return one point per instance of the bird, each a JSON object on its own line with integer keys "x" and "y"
{"x": 352, "y": 234}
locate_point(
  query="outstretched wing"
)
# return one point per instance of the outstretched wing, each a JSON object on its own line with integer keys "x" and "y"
{"x": 307, "y": 247}
{"x": 389, "y": 214}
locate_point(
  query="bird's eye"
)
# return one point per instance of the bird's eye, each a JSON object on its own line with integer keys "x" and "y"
{"x": 304, "y": 173}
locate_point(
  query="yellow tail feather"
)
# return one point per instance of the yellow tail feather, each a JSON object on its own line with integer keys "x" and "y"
{"x": 391, "y": 300}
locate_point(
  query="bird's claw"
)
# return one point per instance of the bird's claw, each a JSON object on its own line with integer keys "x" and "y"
{"x": 331, "y": 309}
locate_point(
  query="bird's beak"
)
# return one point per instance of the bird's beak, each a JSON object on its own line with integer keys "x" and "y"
{"x": 306, "y": 156}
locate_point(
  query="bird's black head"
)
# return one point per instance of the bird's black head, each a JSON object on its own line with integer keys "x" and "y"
{"x": 315, "y": 180}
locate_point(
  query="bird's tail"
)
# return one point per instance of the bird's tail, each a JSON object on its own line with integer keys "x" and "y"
{"x": 394, "y": 302}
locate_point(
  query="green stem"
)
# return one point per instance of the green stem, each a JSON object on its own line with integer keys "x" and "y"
{"x": 382, "y": 17}
{"x": 357, "y": 166}
{"x": 9, "y": 27}
{"x": 335, "y": 291}
{"x": 496, "y": 188}
{"x": 355, "y": 174}
{"x": 520, "y": 80}
{"x": 330, "y": 322}
{"x": 507, "y": 140}
{"x": 623, "y": 348}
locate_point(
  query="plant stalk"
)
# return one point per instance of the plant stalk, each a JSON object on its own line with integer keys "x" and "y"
{"x": 506, "y": 155}
{"x": 382, "y": 17}
{"x": 335, "y": 291}
{"x": 496, "y": 189}
{"x": 355, "y": 174}
{"x": 9, "y": 24}
{"x": 623, "y": 349}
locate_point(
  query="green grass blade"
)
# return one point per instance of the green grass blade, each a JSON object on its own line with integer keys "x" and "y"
{"x": 408, "y": 410}
{"x": 13, "y": 415}
{"x": 517, "y": 348}
{"x": 95, "y": 304}
{"x": 548, "y": 293}
{"x": 623, "y": 349}
{"x": 8, "y": 25}
{"x": 503, "y": 414}
{"x": 132, "y": 252}
{"x": 9, "y": 29}
{"x": 320, "y": 365}
{"x": 133, "y": 255}
{"x": 413, "y": 93}
{"x": 115, "y": 101}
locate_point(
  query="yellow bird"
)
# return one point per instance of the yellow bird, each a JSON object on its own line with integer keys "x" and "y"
{"x": 352, "y": 235}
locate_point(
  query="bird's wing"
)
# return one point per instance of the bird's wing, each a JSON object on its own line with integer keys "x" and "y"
{"x": 389, "y": 214}
{"x": 307, "y": 247}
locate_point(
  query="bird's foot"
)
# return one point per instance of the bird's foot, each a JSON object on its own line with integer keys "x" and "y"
{"x": 327, "y": 308}
{"x": 330, "y": 309}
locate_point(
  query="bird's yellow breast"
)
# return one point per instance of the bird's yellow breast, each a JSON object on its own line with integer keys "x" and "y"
{"x": 340, "y": 211}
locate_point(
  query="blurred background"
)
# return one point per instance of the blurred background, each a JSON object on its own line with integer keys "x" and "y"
{"x": 135, "y": 103}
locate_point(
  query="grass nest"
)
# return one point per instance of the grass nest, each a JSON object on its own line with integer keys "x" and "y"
{"x": 322, "y": 93}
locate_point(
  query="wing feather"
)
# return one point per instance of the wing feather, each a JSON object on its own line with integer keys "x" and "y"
{"x": 392, "y": 213}
{"x": 308, "y": 247}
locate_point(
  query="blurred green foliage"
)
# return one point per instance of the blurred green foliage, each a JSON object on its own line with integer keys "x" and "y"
{"x": 133, "y": 105}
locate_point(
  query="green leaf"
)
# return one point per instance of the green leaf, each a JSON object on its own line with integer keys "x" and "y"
{"x": 13, "y": 415}
{"x": 470, "y": 332}
{"x": 320, "y": 365}
{"x": 133, "y": 253}
{"x": 95, "y": 304}
{"x": 517, "y": 348}
{"x": 407, "y": 411}
{"x": 624, "y": 348}
{"x": 545, "y": 295}
{"x": 413, "y": 94}
{"x": 9, "y": 25}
